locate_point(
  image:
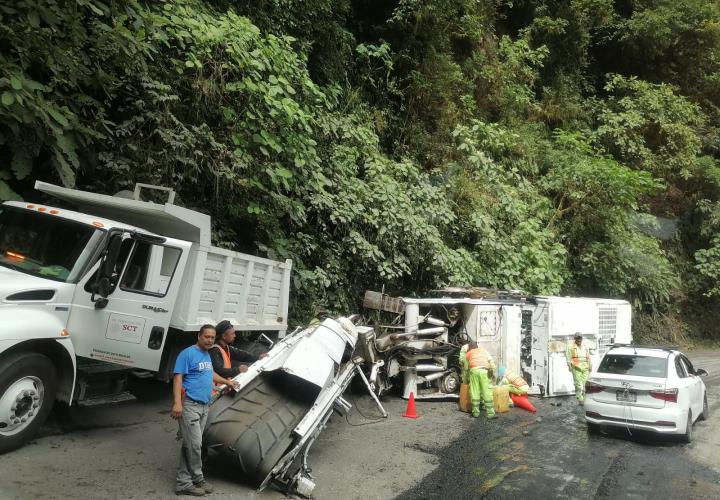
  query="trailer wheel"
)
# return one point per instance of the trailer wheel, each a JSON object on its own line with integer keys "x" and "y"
{"x": 253, "y": 429}
{"x": 27, "y": 394}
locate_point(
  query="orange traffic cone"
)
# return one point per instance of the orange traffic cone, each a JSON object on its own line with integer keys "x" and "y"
{"x": 410, "y": 411}
{"x": 523, "y": 402}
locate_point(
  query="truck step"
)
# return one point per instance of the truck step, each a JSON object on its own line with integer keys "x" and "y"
{"x": 100, "y": 367}
{"x": 109, "y": 399}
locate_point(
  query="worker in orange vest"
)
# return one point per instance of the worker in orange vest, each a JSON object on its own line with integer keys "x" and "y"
{"x": 229, "y": 361}
{"x": 478, "y": 366}
{"x": 580, "y": 365}
{"x": 514, "y": 382}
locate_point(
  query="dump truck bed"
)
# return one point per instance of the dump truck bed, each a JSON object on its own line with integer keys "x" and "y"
{"x": 250, "y": 291}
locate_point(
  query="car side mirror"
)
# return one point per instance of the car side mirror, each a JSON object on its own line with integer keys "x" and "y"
{"x": 700, "y": 372}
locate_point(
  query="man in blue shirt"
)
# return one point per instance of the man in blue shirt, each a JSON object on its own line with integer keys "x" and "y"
{"x": 192, "y": 388}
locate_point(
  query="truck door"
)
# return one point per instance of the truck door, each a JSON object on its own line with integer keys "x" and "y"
{"x": 131, "y": 329}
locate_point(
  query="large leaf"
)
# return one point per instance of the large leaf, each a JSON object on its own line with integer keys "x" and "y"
{"x": 7, "y": 194}
{"x": 21, "y": 164}
{"x": 64, "y": 170}
{"x": 7, "y": 98}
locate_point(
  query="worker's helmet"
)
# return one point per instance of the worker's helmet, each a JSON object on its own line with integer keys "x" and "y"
{"x": 501, "y": 371}
{"x": 578, "y": 335}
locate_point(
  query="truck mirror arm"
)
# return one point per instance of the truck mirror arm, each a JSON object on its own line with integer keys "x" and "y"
{"x": 102, "y": 285}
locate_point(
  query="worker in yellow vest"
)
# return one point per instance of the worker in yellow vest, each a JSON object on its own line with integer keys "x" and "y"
{"x": 580, "y": 365}
{"x": 478, "y": 365}
{"x": 514, "y": 382}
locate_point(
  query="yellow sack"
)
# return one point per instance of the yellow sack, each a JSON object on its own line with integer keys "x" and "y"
{"x": 501, "y": 398}
{"x": 464, "y": 401}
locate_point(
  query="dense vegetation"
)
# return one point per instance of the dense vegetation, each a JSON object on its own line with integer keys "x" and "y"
{"x": 548, "y": 145}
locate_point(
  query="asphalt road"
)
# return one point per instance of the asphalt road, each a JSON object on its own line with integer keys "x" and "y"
{"x": 551, "y": 455}
{"x": 129, "y": 451}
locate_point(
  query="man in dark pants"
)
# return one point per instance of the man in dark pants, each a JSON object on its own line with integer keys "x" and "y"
{"x": 192, "y": 388}
{"x": 229, "y": 361}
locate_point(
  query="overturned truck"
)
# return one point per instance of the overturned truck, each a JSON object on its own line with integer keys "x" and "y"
{"x": 264, "y": 429}
{"x": 526, "y": 334}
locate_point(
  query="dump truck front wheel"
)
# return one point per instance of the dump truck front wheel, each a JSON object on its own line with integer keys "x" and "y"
{"x": 27, "y": 393}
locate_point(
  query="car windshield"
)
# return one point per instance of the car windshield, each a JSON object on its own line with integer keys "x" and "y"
{"x": 44, "y": 245}
{"x": 629, "y": 364}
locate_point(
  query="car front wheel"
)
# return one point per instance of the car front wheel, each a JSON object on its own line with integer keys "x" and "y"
{"x": 687, "y": 437}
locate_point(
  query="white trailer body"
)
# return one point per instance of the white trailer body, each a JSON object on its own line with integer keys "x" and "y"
{"x": 493, "y": 324}
{"x": 549, "y": 324}
{"x": 496, "y": 327}
{"x": 528, "y": 336}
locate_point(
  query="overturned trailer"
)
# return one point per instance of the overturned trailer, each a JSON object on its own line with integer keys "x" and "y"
{"x": 526, "y": 334}
{"x": 548, "y": 326}
{"x": 420, "y": 349}
{"x": 263, "y": 430}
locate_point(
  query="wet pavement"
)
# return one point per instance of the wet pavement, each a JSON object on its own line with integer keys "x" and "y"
{"x": 550, "y": 455}
{"x": 129, "y": 451}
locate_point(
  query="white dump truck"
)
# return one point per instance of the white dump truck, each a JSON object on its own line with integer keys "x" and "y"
{"x": 116, "y": 287}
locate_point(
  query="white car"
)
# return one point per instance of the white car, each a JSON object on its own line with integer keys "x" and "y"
{"x": 649, "y": 388}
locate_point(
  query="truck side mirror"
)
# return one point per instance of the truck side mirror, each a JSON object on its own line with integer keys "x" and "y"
{"x": 102, "y": 283}
{"x": 108, "y": 264}
{"x": 103, "y": 290}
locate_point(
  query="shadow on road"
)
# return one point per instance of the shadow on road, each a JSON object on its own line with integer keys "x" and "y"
{"x": 641, "y": 437}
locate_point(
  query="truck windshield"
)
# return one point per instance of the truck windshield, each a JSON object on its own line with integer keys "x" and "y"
{"x": 43, "y": 245}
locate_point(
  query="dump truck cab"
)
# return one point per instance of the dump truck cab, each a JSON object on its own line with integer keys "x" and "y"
{"x": 75, "y": 286}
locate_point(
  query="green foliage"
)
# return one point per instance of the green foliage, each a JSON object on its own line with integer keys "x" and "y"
{"x": 632, "y": 265}
{"x": 407, "y": 144}
{"x": 650, "y": 127}
{"x": 502, "y": 217}
{"x": 60, "y": 69}
{"x": 594, "y": 198}
{"x": 708, "y": 267}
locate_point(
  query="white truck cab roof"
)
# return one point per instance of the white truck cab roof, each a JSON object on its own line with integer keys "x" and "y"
{"x": 98, "y": 222}
{"x": 166, "y": 219}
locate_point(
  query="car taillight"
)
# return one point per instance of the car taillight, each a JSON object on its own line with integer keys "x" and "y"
{"x": 666, "y": 395}
{"x": 592, "y": 387}
{"x": 665, "y": 423}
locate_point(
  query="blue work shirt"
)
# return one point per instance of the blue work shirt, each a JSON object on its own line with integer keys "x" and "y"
{"x": 196, "y": 367}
